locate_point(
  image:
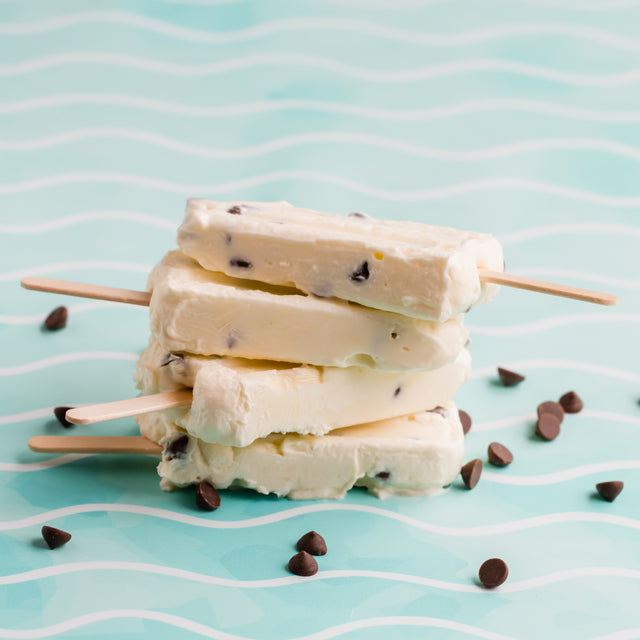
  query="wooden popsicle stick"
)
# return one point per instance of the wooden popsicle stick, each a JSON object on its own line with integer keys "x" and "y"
{"x": 95, "y": 444}
{"x": 551, "y": 288}
{"x": 80, "y": 290}
{"x": 130, "y": 407}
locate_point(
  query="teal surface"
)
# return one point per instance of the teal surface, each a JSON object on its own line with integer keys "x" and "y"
{"x": 519, "y": 118}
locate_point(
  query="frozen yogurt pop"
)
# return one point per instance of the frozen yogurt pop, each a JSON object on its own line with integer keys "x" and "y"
{"x": 409, "y": 268}
{"x": 417, "y": 454}
{"x": 205, "y": 312}
{"x": 235, "y": 401}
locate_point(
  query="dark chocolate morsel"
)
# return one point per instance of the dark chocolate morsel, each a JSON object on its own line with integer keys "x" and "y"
{"x": 57, "y": 319}
{"x": 554, "y": 408}
{"x": 383, "y": 475}
{"x": 440, "y": 411}
{"x": 177, "y": 448}
{"x": 240, "y": 262}
{"x": 394, "y": 335}
{"x": 312, "y": 543}
{"x": 55, "y": 537}
{"x": 170, "y": 358}
{"x": 231, "y": 342}
{"x": 61, "y": 414}
{"x": 509, "y": 378}
{"x": 236, "y": 210}
{"x": 207, "y": 497}
{"x": 357, "y": 214}
{"x": 227, "y": 239}
{"x": 361, "y": 274}
{"x": 493, "y": 572}
{"x": 548, "y": 427}
{"x": 471, "y": 473}
{"x": 571, "y": 402}
{"x": 610, "y": 490}
{"x": 499, "y": 455}
{"x": 397, "y": 391}
{"x": 303, "y": 564}
{"x": 465, "y": 419}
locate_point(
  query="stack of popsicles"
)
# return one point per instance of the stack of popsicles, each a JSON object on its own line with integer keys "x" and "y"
{"x": 322, "y": 351}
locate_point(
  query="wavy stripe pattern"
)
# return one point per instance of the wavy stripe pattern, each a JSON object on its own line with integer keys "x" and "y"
{"x": 81, "y": 307}
{"x": 56, "y": 267}
{"x": 534, "y": 233}
{"x": 64, "y": 358}
{"x": 22, "y": 467}
{"x": 553, "y": 273}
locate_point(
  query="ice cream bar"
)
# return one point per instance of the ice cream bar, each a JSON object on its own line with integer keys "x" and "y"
{"x": 205, "y": 312}
{"x": 418, "y": 454}
{"x": 409, "y": 268}
{"x": 236, "y": 401}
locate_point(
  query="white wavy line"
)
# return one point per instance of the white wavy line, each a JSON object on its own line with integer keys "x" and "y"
{"x": 313, "y": 176}
{"x": 572, "y": 365}
{"x": 25, "y": 416}
{"x": 560, "y": 476}
{"x": 554, "y": 273}
{"x": 67, "y": 221}
{"x": 606, "y": 5}
{"x": 342, "y": 137}
{"x": 624, "y": 634}
{"x": 274, "y": 27}
{"x": 395, "y": 76}
{"x": 74, "y": 266}
{"x": 24, "y": 467}
{"x": 210, "y": 632}
{"x": 360, "y": 111}
{"x": 531, "y": 417}
{"x": 551, "y": 323}
{"x": 64, "y": 358}
{"x": 37, "y": 318}
{"x": 461, "y": 532}
{"x": 570, "y": 229}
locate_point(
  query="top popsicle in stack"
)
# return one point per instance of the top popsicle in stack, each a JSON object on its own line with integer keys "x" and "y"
{"x": 290, "y": 324}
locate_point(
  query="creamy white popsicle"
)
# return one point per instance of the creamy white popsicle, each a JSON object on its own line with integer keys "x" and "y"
{"x": 236, "y": 401}
{"x": 205, "y": 312}
{"x": 410, "y": 268}
{"x": 418, "y": 454}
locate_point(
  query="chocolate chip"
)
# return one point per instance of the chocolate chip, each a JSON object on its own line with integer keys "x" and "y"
{"x": 548, "y": 426}
{"x": 440, "y": 411}
{"x": 303, "y": 564}
{"x": 571, "y": 402}
{"x": 227, "y": 239}
{"x": 312, "y": 543}
{"x": 471, "y": 473}
{"x": 170, "y": 358}
{"x": 465, "y": 418}
{"x": 207, "y": 497}
{"x": 383, "y": 475}
{"x": 177, "y": 448}
{"x": 57, "y": 319}
{"x": 240, "y": 262}
{"x": 61, "y": 414}
{"x": 55, "y": 537}
{"x": 231, "y": 342}
{"x": 610, "y": 490}
{"x": 394, "y": 335}
{"x": 493, "y": 572}
{"x": 397, "y": 391}
{"x": 361, "y": 273}
{"x": 499, "y": 455}
{"x": 357, "y": 214}
{"x": 553, "y": 408}
{"x": 509, "y": 378}
{"x": 236, "y": 210}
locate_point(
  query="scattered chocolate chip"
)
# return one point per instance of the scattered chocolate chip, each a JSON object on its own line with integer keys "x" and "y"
{"x": 236, "y": 210}
{"x": 471, "y": 473}
{"x": 170, "y": 358}
{"x": 465, "y": 418}
{"x": 548, "y": 426}
{"x": 57, "y": 319}
{"x": 240, "y": 262}
{"x": 227, "y": 239}
{"x": 312, "y": 543}
{"x": 357, "y": 214}
{"x": 177, "y": 448}
{"x": 394, "y": 335}
{"x": 361, "y": 273}
{"x": 397, "y": 391}
{"x": 383, "y": 475}
{"x": 231, "y": 342}
{"x": 553, "y": 408}
{"x": 468, "y": 308}
{"x": 571, "y": 402}
{"x": 61, "y": 414}
{"x": 440, "y": 411}
{"x": 303, "y": 564}
{"x": 499, "y": 455}
{"x": 509, "y": 378}
{"x": 610, "y": 490}
{"x": 467, "y": 342}
{"x": 207, "y": 497}
{"x": 493, "y": 572}
{"x": 55, "y": 537}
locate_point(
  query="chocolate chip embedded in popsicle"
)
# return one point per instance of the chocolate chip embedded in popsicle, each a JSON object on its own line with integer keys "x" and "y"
{"x": 55, "y": 537}
{"x": 236, "y": 210}
{"x": 499, "y": 455}
{"x": 361, "y": 274}
{"x": 471, "y": 472}
{"x": 57, "y": 319}
{"x": 241, "y": 263}
{"x": 303, "y": 564}
{"x": 177, "y": 448}
{"x": 610, "y": 490}
{"x": 493, "y": 572}
{"x": 509, "y": 378}
{"x": 207, "y": 497}
{"x": 465, "y": 419}
{"x": 312, "y": 543}
{"x": 571, "y": 402}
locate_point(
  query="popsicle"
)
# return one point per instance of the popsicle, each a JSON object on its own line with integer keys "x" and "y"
{"x": 409, "y": 268}
{"x": 204, "y": 312}
{"x": 417, "y": 454}
{"x": 235, "y": 400}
